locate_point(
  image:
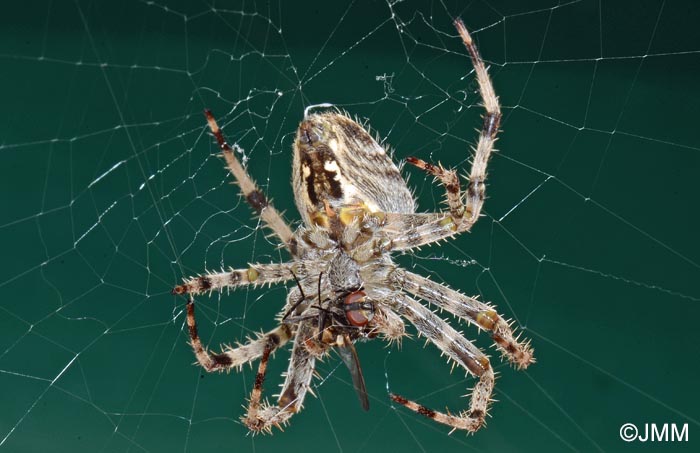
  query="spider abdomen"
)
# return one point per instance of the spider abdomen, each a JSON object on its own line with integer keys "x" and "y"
{"x": 338, "y": 164}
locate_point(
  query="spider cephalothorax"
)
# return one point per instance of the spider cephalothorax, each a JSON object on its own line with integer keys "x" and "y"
{"x": 357, "y": 209}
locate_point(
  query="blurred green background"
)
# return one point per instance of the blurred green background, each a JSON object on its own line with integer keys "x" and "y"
{"x": 113, "y": 193}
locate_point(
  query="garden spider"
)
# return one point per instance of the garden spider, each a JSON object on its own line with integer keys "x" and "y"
{"x": 357, "y": 209}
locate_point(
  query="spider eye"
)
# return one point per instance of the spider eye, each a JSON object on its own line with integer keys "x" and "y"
{"x": 357, "y": 310}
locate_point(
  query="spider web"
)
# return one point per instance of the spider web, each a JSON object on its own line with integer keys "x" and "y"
{"x": 114, "y": 192}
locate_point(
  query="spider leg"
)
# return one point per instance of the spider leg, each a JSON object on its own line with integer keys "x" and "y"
{"x": 483, "y": 315}
{"x": 450, "y": 180}
{"x": 462, "y": 351}
{"x": 234, "y": 357}
{"x": 263, "y": 417}
{"x": 414, "y": 230}
{"x": 254, "y": 405}
{"x": 256, "y": 274}
{"x": 476, "y": 189}
{"x": 408, "y": 231}
{"x": 255, "y": 197}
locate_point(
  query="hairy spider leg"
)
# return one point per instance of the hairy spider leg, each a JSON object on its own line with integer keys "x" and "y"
{"x": 255, "y": 274}
{"x": 463, "y": 352}
{"x": 253, "y": 195}
{"x": 520, "y": 354}
{"x": 234, "y": 357}
{"x": 414, "y": 230}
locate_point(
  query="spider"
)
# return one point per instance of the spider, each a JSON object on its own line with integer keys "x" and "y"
{"x": 356, "y": 210}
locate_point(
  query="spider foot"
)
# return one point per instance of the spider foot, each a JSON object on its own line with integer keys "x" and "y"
{"x": 263, "y": 420}
{"x": 520, "y": 354}
{"x": 178, "y": 290}
{"x": 524, "y": 357}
